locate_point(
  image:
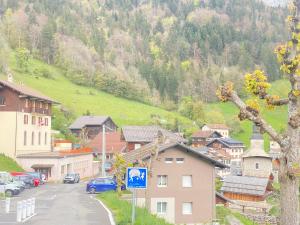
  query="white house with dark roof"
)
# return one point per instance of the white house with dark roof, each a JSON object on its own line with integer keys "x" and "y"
{"x": 223, "y": 129}
{"x": 137, "y": 136}
{"x": 92, "y": 125}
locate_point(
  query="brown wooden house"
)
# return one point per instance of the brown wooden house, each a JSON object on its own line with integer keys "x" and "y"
{"x": 202, "y": 138}
{"x": 246, "y": 188}
{"x": 92, "y": 125}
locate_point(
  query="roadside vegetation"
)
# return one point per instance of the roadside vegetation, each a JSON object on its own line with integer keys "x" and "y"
{"x": 122, "y": 211}
{"x": 8, "y": 164}
{"x": 223, "y": 214}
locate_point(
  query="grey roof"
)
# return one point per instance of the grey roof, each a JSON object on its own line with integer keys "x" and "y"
{"x": 145, "y": 152}
{"x": 147, "y": 134}
{"x": 245, "y": 185}
{"x": 26, "y": 91}
{"x": 83, "y": 121}
{"x": 229, "y": 142}
{"x": 255, "y": 133}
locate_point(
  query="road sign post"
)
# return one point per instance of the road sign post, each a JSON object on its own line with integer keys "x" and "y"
{"x": 136, "y": 178}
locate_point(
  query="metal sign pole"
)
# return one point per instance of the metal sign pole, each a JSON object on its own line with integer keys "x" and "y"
{"x": 133, "y": 207}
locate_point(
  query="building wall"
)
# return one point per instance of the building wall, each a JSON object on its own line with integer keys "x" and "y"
{"x": 82, "y": 164}
{"x": 44, "y": 145}
{"x": 264, "y": 166}
{"x": 132, "y": 145}
{"x": 223, "y": 132}
{"x": 201, "y": 194}
{"x": 170, "y": 214}
{"x": 7, "y": 133}
{"x": 243, "y": 197}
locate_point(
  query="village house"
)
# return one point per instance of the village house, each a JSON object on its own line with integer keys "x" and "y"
{"x": 113, "y": 144}
{"x": 25, "y": 134}
{"x": 181, "y": 187}
{"x": 137, "y": 136}
{"x": 220, "y": 128}
{"x": 232, "y": 147}
{"x": 202, "y": 138}
{"x": 255, "y": 184}
{"x": 220, "y": 156}
{"x": 90, "y": 126}
{"x": 246, "y": 188}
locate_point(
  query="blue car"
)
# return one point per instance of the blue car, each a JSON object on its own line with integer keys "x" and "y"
{"x": 101, "y": 185}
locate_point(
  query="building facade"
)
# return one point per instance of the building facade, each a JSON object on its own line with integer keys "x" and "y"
{"x": 91, "y": 126}
{"x": 220, "y": 128}
{"x": 202, "y": 138}
{"x": 181, "y": 188}
{"x": 25, "y": 118}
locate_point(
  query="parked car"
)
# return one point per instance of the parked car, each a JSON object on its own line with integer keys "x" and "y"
{"x": 101, "y": 185}
{"x": 27, "y": 179}
{"x": 72, "y": 178}
{"x": 36, "y": 175}
{"x": 7, "y": 178}
{"x": 10, "y": 189}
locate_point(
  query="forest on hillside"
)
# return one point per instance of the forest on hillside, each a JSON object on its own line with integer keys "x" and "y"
{"x": 153, "y": 51}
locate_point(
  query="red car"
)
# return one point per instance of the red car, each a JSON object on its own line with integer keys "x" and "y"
{"x": 36, "y": 181}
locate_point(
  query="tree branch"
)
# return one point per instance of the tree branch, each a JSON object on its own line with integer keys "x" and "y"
{"x": 277, "y": 102}
{"x": 256, "y": 118}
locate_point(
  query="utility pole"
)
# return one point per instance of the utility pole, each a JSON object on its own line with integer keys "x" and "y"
{"x": 103, "y": 151}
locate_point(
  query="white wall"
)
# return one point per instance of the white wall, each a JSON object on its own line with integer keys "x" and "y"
{"x": 7, "y": 133}
{"x": 170, "y": 213}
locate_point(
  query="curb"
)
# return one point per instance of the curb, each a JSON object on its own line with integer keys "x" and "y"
{"x": 110, "y": 216}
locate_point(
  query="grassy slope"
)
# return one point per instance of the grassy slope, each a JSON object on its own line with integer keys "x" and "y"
{"x": 79, "y": 99}
{"x": 122, "y": 211}
{"x": 7, "y": 164}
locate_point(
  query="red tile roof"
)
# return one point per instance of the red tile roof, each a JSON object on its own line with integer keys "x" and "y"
{"x": 114, "y": 144}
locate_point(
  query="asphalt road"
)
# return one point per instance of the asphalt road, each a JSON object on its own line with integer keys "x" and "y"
{"x": 59, "y": 204}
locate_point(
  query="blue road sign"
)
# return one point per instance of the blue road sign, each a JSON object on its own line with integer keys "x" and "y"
{"x": 136, "y": 177}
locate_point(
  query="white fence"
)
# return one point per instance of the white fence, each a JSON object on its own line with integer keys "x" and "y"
{"x": 25, "y": 209}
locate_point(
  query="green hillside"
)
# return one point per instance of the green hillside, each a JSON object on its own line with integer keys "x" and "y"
{"x": 79, "y": 99}
{"x": 8, "y": 164}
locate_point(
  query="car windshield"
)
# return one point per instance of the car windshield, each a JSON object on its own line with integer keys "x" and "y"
{"x": 70, "y": 175}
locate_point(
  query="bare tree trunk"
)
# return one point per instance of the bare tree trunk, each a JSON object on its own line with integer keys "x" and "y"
{"x": 289, "y": 203}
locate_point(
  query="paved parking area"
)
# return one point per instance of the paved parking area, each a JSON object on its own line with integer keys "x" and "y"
{"x": 59, "y": 204}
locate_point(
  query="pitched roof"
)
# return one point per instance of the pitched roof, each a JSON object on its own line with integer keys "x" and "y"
{"x": 83, "y": 121}
{"x": 145, "y": 152}
{"x": 147, "y": 134}
{"x": 229, "y": 142}
{"x": 245, "y": 185}
{"x": 114, "y": 144}
{"x": 217, "y": 126}
{"x": 26, "y": 91}
{"x": 205, "y": 134}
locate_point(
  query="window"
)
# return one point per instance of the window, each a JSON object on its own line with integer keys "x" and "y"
{"x": 162, "y": 181}
{"x": 168, "y": 160}
{"x": 256, "y": 166}
{"x": 25, "y": 119}
{"x": 26, "y": 103}
{"x": 47, "y": 106}
{"x": 161, "y": 207}
{"x": 41, "y": 105}
{"x": 179, "y": 160}
{"x": 187, "y": 181}
{"x": 136, "y": 146}
{"x": 46, "y": 121}
{"x": 32, "y": 138}
{"x": 25, "y": 138}
{"x": 187, "y": 208}
{"x": 33, "y": 120}
{"x": 2, "y": 100}
{"x": 46, "y": 136}
{"x": 39, "y": 138}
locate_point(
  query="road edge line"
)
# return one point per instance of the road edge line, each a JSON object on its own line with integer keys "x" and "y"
{"x": 110, "y": 215}
{"x": 28, "y": 218}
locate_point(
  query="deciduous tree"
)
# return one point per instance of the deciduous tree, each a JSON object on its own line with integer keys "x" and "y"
{"x": 257, "y": 85}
